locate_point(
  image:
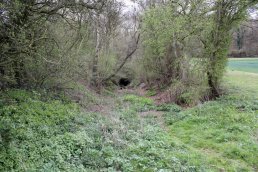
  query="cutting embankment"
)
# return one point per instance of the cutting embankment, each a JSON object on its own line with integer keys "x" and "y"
{"x": 128, "y": 132}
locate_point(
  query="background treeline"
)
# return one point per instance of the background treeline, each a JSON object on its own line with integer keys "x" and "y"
{"x": 245, "y": 40}
{"x": 49, "y": 43}
{"x": 182, "y": 45}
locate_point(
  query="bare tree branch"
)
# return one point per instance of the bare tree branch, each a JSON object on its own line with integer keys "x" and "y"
{"x": 128, "y": 56}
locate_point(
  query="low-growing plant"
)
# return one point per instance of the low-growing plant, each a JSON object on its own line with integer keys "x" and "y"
{"x": 168, "y": 108}
{"x": 151, "y": 93}
{"x": 56, "y": 136}
{"x": 138, "y": 100}
{"x": 140, "y": 103}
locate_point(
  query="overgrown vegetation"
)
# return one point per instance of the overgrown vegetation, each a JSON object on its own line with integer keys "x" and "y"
{"x": 178, "y": 34}
{"x": 47, "y": 44}
{"x": 93, "y": 85}
{"x": 50, "y": 134}
{"x": 50, "y": 44}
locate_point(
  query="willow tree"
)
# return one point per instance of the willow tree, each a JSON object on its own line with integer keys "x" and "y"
{"x": 226, "y": 14}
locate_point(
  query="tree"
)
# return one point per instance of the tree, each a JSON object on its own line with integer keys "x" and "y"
{"x": 105, "y": 25}
{"x": 27, "y": 39}
{"x": 168, "y": 32}
{"x": 181, "y": 30}
{"x": 226, "y": 15}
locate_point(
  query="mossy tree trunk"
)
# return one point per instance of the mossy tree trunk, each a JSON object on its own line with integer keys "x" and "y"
{"x": 228, "y": 13}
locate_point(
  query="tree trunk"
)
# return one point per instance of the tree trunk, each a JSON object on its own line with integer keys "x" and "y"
{"x": 94, "y": 79}
{"x": 217, "y": 51}
{"x": 18, "y": 73}
{"x": 213, "y": 84}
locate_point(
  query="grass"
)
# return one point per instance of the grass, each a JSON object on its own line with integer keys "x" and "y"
{"x": 246, "y": 82}
{"x": 50, "y": 133}
{"x": 220, "y": 133}
{"x": 39, "y": 134}
{"x": 244, "y": 64}
{"x": 224, "y": 131}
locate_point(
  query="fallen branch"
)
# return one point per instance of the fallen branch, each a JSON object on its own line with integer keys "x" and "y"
{"x": 129, "y": 55}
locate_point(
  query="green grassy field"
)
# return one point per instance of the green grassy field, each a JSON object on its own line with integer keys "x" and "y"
{"x": 244, "y": 64}
{"x": 224, "y": 131}
{"x": 246, "y": 82}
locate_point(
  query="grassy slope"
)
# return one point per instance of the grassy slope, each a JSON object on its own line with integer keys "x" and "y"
{"x": 247, "y": 82}
{"x": 39, "y": 134}
{"x": 223, "y": 131}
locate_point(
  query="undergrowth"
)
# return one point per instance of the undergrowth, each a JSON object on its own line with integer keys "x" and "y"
{"x": 144, "y": 104}
{"x": 44, "y": 134}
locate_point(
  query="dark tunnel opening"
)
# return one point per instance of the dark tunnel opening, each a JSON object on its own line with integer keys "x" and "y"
{"x": 124, "y": 82}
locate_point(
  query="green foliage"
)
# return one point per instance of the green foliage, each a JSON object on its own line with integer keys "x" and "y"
{"x": 173, "y": 51}
{"x": 29, "y": 123}
{"x": 143, "y": 104}
{"x": 50, "y": 135}
{"x": 140, "y": 103}
{"x": 188, "y": 93}
{"x": 168, "y": 108}
{"x": 151, "y": 93}
{"x": 219, "y": 38}
{"x": 107, "y": 63}
{"x": 43, "y": 49}
{"x": 174, "y": 34}
{"x": 138, "y": 100}
{"x": 47, "y": 134}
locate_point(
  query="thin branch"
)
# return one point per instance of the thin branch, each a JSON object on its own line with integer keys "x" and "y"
{"x": 129, "y": 55}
